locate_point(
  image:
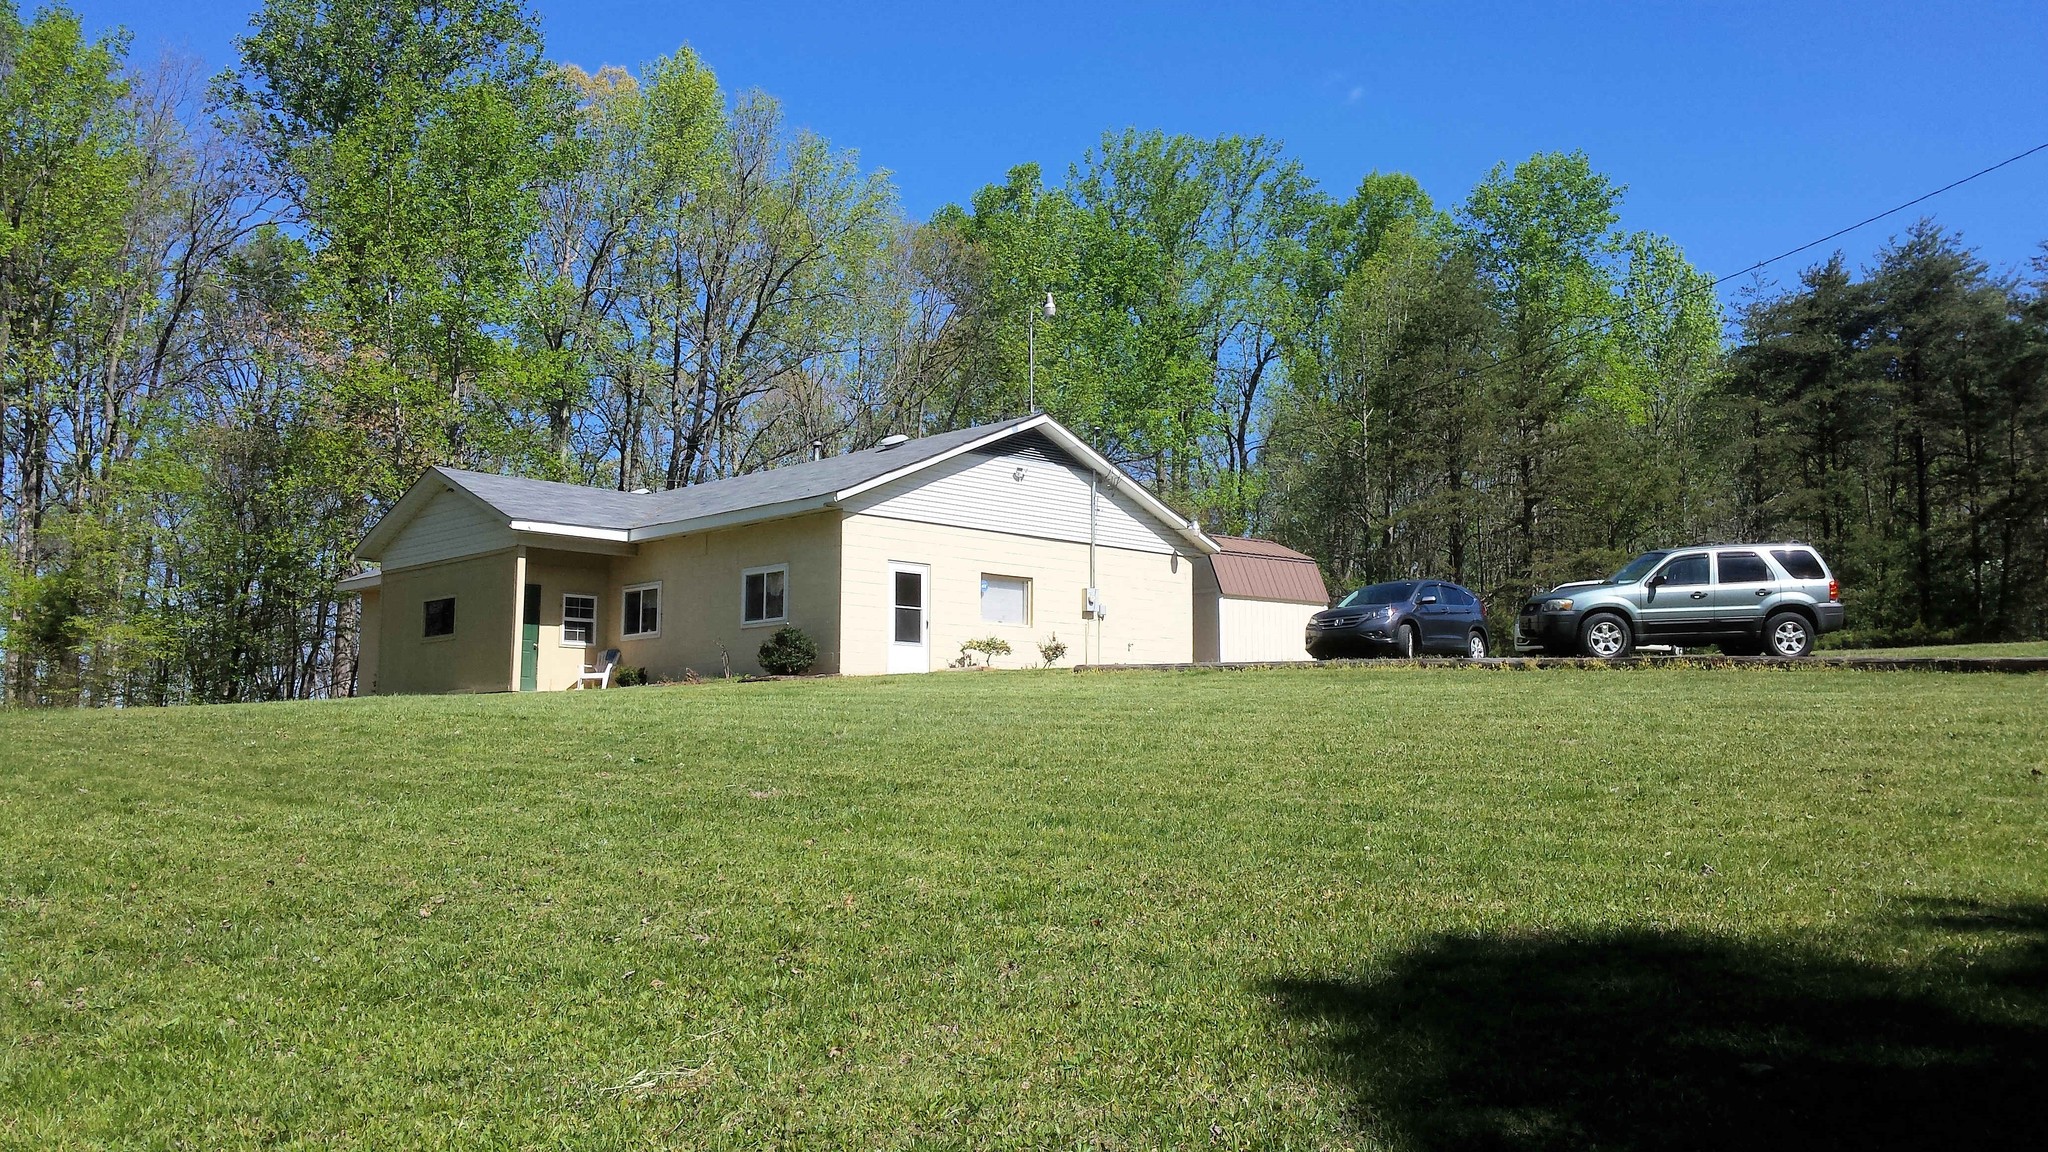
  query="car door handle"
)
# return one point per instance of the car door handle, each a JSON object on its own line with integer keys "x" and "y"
{"x": 1763, "y": 591}
{"x": 1699, "y": 595}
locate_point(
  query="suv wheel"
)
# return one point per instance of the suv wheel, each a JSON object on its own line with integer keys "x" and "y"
{"x": 1606, "y": 637}
{"x": 1475, "y": 645}
{"x": 1406, "y": 640}
{"x": 1788, "y": 634}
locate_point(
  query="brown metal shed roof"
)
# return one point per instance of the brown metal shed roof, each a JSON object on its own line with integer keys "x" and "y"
{"x": 1249, "y": 569}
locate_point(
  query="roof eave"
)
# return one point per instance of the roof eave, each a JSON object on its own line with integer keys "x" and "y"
{"x": 578, "y": 531}
{"x": 1188, "y": 529}
{"x": 1096, "y": 462}
{"x": 917, "y": 466}
{"x": 431, "y": 483}
{"x": 778, "y": 511}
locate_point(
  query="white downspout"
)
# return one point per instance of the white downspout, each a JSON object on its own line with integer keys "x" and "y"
{"x": 1094, "y": 594}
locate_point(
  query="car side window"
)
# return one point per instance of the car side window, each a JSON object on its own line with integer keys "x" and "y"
{"x": 1801, "y": 564}
{"x": 1744, "y": 568}
{"x": 1686, "y": 570}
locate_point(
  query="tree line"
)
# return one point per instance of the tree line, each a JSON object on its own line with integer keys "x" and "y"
{"x": 240, "y": 313}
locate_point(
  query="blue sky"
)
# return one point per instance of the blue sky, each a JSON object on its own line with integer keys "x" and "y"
{"x": 1741, "y": 129}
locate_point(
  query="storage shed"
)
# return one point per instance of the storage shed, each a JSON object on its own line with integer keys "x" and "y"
{"x": 1253, "y": 600}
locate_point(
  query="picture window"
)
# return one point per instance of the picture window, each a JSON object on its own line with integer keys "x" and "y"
{"x": 640, "y": 611}
{"x": 1005, "y": 599}
{"x": 764, "y": 595}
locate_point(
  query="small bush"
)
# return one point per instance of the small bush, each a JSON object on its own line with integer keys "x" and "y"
{"x": 625, "y": 676}
{"x": 1051, "y": 649}
{"x": 789, "y": 652}
{"x": 990, "y": 647}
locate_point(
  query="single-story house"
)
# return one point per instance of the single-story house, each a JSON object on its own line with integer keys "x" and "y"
{"x": 1253, "y": 599}
{"x": 888, "y": 558}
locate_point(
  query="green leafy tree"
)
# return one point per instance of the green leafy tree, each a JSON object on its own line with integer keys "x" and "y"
{"x": 416, "y": 138}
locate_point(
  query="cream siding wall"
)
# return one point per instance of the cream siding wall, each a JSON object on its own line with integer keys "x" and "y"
{"x": 369, "y": 634}
{"x": 700, "y": 594}
{"x": 1262, "y": 630}
{"x": 564, "y": 573}
{"x": 1050, "y": 501}
{"x": 451, "y": 525}
{"x": 1146, "y": 595}
{"x": 478, "y": 657}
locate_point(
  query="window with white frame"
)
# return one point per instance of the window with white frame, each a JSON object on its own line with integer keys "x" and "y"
{"x": 1005, "y": 599}
{"x": 764, "y": 595}
{"x": 640, "y": 611}
{"x": 579, "y": 620}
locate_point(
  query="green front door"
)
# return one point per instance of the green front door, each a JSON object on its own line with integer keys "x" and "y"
{"x": 529, "y": 640}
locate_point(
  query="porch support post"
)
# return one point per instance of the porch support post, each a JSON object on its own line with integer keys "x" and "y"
{"x": 518, "y": 612}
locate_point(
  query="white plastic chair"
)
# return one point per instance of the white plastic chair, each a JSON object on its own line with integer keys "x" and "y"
{"x": 601, "y": 673}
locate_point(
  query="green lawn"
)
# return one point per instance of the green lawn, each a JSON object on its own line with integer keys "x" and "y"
{"x": 2015, "y": 648}
{"x": 1325, "y": 908}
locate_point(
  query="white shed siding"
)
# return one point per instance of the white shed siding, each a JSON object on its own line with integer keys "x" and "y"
{"x": 983, "y": 491}
{"x": 450, "y": 525}
{"x": 1261, "y": 630}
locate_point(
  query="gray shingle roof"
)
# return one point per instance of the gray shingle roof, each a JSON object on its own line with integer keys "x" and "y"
{"x": 549, "y": 502}
{"x": 519, "y": 498}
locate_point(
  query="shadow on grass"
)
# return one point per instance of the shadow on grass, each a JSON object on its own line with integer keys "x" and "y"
{"x": 1661, "y": 1040}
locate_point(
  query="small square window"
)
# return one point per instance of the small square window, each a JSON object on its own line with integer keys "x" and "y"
{"x": 1005, "y": 599}
{"x": 440, "y": 617}
{"x": 640, "y": 611}
{"x": 764, "y": 595}
{"x": 579, "y": 620}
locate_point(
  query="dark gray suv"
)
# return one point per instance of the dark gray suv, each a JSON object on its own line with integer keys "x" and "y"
{"x": 1750, "y": 599}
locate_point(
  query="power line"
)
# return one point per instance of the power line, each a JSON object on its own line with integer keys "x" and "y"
{"x": 2043, "y": 147}
{"x": 1602, "y": 327}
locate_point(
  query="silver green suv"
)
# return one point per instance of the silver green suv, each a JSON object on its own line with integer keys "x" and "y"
{"x": 1750, "y": 599}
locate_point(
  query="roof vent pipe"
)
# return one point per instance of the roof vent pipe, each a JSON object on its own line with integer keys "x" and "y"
{"x": 817, "y": 450}
{"x": 889, "y": 442}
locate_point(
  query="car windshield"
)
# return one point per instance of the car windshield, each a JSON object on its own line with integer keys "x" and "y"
{"x": 1637, "y": 568}
{"x": 1395, "y": 593}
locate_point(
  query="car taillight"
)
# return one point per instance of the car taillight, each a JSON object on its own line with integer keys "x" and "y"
{"x": 1834, "y": 589}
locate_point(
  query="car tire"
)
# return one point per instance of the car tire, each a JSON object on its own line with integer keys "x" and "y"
{"x": 1475, "y": 645}
{"x": 1606, "y": 636}
{"x": 1788, "y": 634}
{"x": 1409, "y": 643}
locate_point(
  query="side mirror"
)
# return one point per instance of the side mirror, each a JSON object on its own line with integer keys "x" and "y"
{"x": 1427, "y": 600}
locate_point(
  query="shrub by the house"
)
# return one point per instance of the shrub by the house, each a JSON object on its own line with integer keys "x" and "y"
{"x": 789, "y": 652}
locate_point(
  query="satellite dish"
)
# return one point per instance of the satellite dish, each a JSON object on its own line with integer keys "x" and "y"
{"x": 889, "y": 442}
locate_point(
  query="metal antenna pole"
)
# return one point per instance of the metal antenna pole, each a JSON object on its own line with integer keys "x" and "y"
{"x": 1031, "y": 352}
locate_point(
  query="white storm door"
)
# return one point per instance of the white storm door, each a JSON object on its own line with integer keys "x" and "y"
{"x": 910, "y": 618}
